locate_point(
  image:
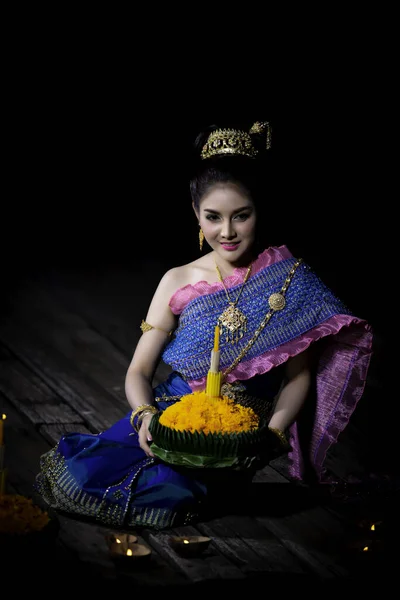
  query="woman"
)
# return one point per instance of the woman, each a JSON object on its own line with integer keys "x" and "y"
{"x": 288, "y": 346}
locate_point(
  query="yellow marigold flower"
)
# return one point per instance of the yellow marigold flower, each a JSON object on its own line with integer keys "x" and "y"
{"x": 18, "y": 515}
{"x": 198, "y": 412}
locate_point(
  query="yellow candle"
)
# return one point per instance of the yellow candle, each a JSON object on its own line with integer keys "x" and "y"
{"x": 214, "y": 367}
{"x": 3, "y": 418}
{"x": 216, "y": 339}
{"x": 213, "y": 386}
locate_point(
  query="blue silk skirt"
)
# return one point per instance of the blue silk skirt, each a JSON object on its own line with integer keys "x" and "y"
{"x": 108, "y": 478}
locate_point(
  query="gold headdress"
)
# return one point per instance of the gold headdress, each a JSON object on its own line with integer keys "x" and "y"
{"x": 235, "y": 141}
{"x": 261, "y": 127}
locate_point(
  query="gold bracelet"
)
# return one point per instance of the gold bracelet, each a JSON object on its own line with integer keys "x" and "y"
{"x": 150, "y": 411}
{"x": 137, "y": 411}
{"x": 280, "y": 435}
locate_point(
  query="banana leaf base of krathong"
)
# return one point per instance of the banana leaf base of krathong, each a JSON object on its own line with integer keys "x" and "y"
{"x": 196, "y": 461}
{"x": 209, "y": 451}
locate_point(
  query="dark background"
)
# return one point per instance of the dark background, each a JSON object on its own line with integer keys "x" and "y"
{"x": 92, "y": 183}
{"x": 99, "y": 129}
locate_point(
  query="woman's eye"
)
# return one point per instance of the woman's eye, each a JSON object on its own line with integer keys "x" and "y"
{"x": 241, "y": 217}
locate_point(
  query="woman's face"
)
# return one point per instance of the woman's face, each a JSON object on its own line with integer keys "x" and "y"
{"x": 227, "y": 217}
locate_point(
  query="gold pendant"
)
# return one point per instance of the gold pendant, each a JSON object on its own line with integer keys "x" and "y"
{"x": 277, "y": 301}
{"x": 233, "y": 324}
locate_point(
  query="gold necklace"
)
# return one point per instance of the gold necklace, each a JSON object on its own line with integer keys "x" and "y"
{"x": 232, "y": 322}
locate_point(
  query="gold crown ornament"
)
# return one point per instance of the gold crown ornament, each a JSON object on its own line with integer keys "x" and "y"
{"x": 235, "y": 141}
{"x": 228, "y": 141}
{"x": 262, "y": 127}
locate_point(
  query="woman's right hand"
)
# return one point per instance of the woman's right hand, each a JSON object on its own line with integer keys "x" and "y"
{"x": 145, "y": 438}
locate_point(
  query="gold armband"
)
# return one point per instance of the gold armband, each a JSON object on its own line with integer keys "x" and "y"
{"x": 281, "y": 436}
{"x": 144, "y": 326}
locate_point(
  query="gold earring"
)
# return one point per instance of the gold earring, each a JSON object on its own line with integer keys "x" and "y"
{"x": 201, "y": 239}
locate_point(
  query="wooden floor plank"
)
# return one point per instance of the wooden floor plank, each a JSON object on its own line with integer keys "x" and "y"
{"x": 111, "y": 301}
{"x": 255, "y": 548}
{"x": 97, "y": 409}
{"x": 30, "y": 395}
{"x": 72, "y": 338}
{"x": 212, "y": 565}
{"x": 296, "y": 514}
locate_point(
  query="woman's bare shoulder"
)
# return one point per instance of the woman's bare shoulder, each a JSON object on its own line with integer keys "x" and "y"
{"x": 201, "y": 269}
{"x": 176, "y": 278}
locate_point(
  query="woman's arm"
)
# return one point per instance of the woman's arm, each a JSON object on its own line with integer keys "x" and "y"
{"x": 293, "y": 393}
{"x": 140, "y": 373}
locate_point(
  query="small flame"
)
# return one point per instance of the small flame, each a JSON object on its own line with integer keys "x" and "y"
{"x": 365, "y": 549}
{"x": 118, "y": 541}
{"x": 129, "y": 552}
{"x": 372, "y": 527}
{"x": 3, "y": 417}
{"x": 186, "y": 542}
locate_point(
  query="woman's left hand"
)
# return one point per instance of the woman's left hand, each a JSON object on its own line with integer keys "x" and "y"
{"x": 145, "y": 438}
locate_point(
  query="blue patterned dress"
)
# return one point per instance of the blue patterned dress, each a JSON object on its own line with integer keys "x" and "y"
{"x": 108, "y": 478}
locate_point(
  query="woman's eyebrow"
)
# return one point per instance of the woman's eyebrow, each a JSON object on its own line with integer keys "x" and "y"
{"x": 238, "y": 210}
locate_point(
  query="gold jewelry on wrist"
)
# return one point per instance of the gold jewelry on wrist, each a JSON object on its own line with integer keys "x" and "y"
{"x": 280, "y": 435}
{"x": 138, "y": 410}
{"x": 144, "y": 326}
{"x": 151, "y": 411}
{"x": 139, "y": 413}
